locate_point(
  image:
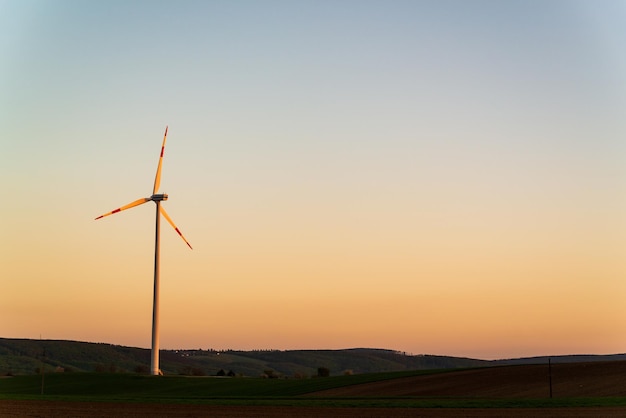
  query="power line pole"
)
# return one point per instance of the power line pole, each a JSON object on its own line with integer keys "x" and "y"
{"x": 43, "y": 367}
{"x": 550, "y": 374}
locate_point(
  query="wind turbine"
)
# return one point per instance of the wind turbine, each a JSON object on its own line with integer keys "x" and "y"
{"x": 156, "y": 198}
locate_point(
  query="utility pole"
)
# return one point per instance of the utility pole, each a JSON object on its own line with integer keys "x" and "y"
{"x": 550, "y": 374}
{"x": 43, "y": 367}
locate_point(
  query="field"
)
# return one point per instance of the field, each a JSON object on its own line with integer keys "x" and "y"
{"x": 579, "y": 390}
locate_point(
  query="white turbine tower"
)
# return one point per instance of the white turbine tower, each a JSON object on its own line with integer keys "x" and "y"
{"x": 156, "y": 198}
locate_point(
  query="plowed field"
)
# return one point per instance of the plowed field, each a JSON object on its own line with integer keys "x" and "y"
{"x": 572, "y": 380}
{"x": 58, "y": 409}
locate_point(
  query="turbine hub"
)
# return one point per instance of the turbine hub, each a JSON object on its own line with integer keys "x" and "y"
{"x": 158, "y": 197}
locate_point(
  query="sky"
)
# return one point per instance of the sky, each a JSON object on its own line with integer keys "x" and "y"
{"x": 435, "y": 177}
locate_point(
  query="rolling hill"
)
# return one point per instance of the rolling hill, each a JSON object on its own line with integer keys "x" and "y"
{"x": 26, "y": 356}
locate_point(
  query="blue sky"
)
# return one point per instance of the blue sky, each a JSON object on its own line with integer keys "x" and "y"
{"x": 358, "y": 153}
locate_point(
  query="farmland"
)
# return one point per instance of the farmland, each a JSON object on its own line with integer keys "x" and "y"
{"x": 579, "y": 389}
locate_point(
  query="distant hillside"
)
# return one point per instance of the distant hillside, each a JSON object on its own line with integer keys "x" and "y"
{"x": 24, "y": 356}
{"x": 574, "y": 358}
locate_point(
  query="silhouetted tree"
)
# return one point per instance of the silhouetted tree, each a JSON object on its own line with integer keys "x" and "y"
{"x": 142, "y": 369}
{"x": 323, "y": 372}
{"x": 196, "y": 371}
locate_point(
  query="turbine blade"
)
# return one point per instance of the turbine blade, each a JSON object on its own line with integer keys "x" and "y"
{"x": 174, "y": 226}
{"x": 130, "y": 205}
{"x": 157, "y": 179}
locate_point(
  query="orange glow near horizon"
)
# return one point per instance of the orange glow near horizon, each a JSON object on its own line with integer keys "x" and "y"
{"x": 429, "y": 178}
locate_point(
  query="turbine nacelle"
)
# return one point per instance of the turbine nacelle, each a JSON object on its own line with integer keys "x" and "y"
{"x": 158, "y": 197}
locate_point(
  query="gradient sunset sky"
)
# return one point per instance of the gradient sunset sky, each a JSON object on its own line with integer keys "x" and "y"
{"x": 437, "y": 177}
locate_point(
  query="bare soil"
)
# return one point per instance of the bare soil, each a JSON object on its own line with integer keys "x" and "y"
{"x": 59, "y": 409}
{"x": 571, "y": 380}
{"x": 62, "y": 409}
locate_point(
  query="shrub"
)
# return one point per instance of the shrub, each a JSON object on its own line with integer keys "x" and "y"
{"x": 323, "y": 371}
{"x": 196, "y": 371}
{"x": 142, "y": 369}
